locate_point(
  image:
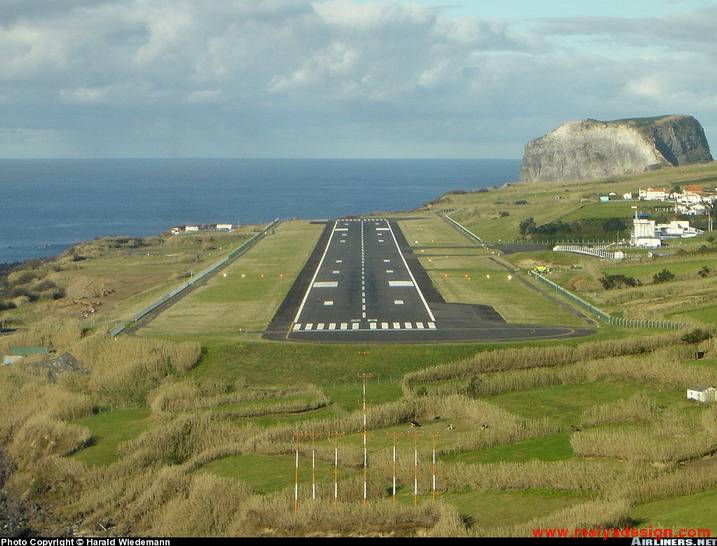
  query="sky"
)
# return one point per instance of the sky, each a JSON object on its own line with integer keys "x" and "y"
{"x": 341, "y": 78}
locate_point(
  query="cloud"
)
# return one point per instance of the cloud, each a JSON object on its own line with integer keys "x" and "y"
{"x": 302, "y": 77}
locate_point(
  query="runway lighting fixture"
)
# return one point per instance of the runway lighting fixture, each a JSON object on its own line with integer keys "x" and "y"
{"x": 243, "y": 275}
{"x": 487, "y": 276}
{"x": 510, "y": 277}
{"x": 225, "y": 275}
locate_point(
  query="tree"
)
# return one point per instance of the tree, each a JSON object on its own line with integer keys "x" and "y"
{"x": 527, "y": 226}
{"x": 704, "y": 272}
{"x": 614, "y": 224}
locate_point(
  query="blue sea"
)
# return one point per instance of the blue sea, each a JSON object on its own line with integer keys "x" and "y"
{"x": 48, "y": 205}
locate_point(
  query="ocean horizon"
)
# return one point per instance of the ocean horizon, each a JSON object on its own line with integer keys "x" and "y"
{"x": 50, "y": 204}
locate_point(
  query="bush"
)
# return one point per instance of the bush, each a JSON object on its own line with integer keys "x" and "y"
{"x": 696, "y": 336}
{"x": 663, "y": 276}
{"x": 609, "y": 282}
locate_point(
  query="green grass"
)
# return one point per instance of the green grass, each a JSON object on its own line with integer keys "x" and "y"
{"x": 687, "y": 267}
{"x": 563, "y": 403}
{"x": 480, "y": 280}
{"x": 553, "y": 447}
{"x": 498, "y": 509}
{"x": 268, "y": 473}
{"x": 697, "y": 511}
{"x": 248, "y": 296}
{"x": 704, "y": 314}
{"x": 613, "y": 209}
{"x": 109, "y": 429}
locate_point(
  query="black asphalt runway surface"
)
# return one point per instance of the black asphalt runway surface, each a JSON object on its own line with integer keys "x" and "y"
{"x": 363, "y": 284}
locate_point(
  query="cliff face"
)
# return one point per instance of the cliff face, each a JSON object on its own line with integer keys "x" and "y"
{"x": 588, "y": 149}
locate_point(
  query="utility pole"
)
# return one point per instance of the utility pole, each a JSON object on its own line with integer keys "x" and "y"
{"x": 364, "y": 377}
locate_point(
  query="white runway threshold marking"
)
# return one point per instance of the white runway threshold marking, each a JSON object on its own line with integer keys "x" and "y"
{"x": 358, "y": 325}
{"x": 399, "y": 284}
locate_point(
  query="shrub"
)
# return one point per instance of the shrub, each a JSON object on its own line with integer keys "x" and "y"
{"x": 663, "y": 276}
{"x": 697, "y": 335}
{"x": 609, "y": 282}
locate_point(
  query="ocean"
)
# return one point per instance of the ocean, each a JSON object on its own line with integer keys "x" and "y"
{"x": 48, "y": 205}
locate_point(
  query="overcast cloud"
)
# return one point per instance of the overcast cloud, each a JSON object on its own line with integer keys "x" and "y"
{"x": 333, "y": 78}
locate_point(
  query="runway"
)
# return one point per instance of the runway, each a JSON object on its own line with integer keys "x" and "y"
{"x": 363, "y": 284}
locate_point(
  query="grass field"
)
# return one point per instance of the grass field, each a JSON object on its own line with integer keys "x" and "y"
{"x": 247, "y": 298}
{"x": 546, "y": 202}
{"x": 273, "y": 473}
{"x": 492, "y": 509}
{"x": 109, "y": 429}
{"x": 705, "y": 314}
{"x": 476, "y": 278}
{"x": 690, "y": 511}
{"x": 564, "y": 403}
{"x": 553, "y": 447}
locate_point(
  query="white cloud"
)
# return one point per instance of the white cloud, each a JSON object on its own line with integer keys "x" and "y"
{"x": 260, "y": 74}
{"x": 645, "y": 87}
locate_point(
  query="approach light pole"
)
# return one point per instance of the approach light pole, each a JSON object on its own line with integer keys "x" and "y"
{"x": 296, "y": 472}
{"x": 364, "y": 377}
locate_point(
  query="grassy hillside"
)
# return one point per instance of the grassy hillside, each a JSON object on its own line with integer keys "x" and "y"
{"x": 191, "y": 425}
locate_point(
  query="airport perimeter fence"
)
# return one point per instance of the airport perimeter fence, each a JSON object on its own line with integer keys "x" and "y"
{"x": 139, "y": 315}
{"x": 464, "y": 229}
{"x": 602, "y": 315}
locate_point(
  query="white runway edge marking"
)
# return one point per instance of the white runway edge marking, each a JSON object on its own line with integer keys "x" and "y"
{"x": 398, "y": 248}
{"x": 313, "y": 279}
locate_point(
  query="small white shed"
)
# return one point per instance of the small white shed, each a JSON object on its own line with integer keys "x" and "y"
{"x": 702, "y": 394}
